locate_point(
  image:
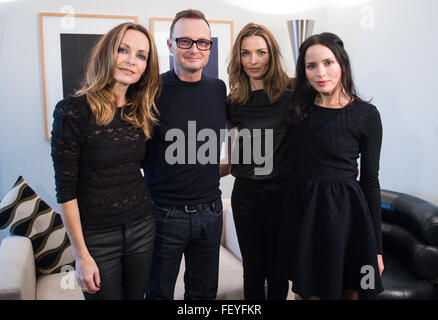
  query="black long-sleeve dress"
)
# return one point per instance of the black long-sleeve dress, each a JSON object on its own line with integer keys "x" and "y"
{"x": 330, "y": 234}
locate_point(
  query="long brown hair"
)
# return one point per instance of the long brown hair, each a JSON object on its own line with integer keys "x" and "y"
{"x": 99, "y": 80}
{"x": 276, "y": 79}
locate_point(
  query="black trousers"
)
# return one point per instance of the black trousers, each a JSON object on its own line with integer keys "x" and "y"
{"x": 256, "y": 211}
{"x": 195, "y": 235}
{"x": 123, "y": 255}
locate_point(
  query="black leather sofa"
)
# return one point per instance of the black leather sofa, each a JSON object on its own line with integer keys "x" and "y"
{"x": 410, "y": 247}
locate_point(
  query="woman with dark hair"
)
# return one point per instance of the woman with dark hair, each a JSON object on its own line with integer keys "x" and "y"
{"x": 98, "y": 143}
{"x": 258, "y": 105}
{"x": 330, "y": 242}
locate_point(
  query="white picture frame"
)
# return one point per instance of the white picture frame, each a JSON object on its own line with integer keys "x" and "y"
{"x": 52, "y": 25}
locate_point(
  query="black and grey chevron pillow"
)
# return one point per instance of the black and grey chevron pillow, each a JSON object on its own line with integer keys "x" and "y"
{"x": 26, "y": 214}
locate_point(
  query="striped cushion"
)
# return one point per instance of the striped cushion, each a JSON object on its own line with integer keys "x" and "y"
{"x": 24, "y": 213}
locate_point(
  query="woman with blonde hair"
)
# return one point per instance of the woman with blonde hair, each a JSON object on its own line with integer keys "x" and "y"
{"x": 98, "y": 143}
{"x": 260, "y": 95}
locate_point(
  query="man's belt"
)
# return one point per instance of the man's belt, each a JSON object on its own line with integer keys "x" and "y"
{"x": 189, "y": 208}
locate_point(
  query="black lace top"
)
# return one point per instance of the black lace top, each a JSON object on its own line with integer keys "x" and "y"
{"x": 98, "y": 165}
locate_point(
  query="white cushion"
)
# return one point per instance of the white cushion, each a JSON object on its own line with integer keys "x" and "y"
{"x": 59, "y": 286}
{"x": 231, "y": 242}
{"x": 230, "y": 285}
{"x": 17, "y": 269}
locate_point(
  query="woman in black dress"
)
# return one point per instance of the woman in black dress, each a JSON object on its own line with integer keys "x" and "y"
{"x": 98, "y": 143}
{"x": 258, "y": 108}
{"x": 330, "y": 242}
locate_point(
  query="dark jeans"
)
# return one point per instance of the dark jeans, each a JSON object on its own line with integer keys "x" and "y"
{"x": 123, "y": 255}
{"x": 256, "y": 212}
{"x": 196, "y": 235}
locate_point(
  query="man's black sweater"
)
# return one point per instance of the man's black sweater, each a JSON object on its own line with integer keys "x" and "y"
{"x": 187, "y": 182}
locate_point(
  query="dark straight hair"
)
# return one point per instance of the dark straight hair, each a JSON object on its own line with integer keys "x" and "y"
{"x": 305, "y": 94}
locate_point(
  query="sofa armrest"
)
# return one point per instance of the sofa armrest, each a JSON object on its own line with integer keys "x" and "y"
{"x": 17, "y": 269}
{"x": 414, "y": 214}
{"x": 422, "y": 259}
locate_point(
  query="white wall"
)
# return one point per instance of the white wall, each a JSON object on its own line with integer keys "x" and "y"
{"x": 393, "y": 64}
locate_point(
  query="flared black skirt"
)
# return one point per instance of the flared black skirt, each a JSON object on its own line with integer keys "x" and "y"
{"x": 327, "y": 240}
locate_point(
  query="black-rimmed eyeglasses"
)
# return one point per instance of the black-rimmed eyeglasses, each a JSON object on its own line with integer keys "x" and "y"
{"x": 187, "y": 43}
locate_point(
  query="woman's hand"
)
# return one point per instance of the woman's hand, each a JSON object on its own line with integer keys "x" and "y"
{"x": 87, "y": 274}
{"x": 380, "y": 263}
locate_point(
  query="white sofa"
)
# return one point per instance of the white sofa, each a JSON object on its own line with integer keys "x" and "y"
{"x": 19, "y": 281}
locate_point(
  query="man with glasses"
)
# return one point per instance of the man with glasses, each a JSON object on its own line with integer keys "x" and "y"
{"x": 186, "y": 195}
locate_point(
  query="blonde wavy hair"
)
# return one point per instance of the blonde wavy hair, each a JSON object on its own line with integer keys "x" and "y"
{"x": 99, "y": 80}
{"x": 276, "y": 80}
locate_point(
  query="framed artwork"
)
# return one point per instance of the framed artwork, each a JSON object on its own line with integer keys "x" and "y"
{"x": 221, "y": 34}
{"x": 65, "y": 43}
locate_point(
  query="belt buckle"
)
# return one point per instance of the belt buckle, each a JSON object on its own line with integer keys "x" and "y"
{"x": 189, "y": 211}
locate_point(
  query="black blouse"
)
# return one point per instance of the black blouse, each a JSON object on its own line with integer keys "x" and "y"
{"x": 257, "y": 117}
{"x": 98, "y": 165}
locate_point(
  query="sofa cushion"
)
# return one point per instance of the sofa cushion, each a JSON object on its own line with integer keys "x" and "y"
{"x": 17, "y": 269}
{"x": 400, "y": 283}
{"x": 230, "y": 286}
{"x": 59, "y": 286}
{"x": 414, "y": 214}
{"x": 421, "y": 259}
{"x": 24, "y": 213}
{"x": 231, "y": 242}
{"x": 226, "y": 203}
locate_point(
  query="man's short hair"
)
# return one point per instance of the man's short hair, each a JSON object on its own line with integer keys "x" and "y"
{"x": 188, "y": 14}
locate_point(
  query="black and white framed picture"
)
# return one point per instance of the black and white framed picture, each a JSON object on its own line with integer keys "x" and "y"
{"x": 66, "y": 42}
